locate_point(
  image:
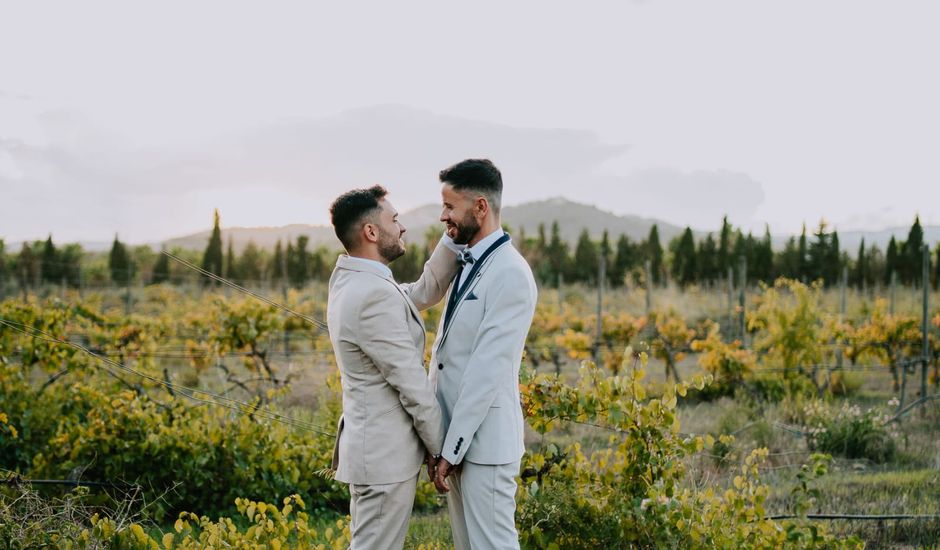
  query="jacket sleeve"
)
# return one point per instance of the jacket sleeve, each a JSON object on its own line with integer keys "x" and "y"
{"x": 387, "y": 340}
{"x": 438, "y": 273}
{"x": 509, "y": 307}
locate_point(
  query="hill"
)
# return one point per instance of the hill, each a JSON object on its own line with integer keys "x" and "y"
{"x": 572, "y": 218}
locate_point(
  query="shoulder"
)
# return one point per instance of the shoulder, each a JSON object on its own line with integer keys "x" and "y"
{"x": 365, "y": 288}
{"x": 510, "y": 269}
{"x": 510, "y": 263}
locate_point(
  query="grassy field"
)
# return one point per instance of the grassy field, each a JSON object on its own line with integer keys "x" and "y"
{"x": 907, "y": 483}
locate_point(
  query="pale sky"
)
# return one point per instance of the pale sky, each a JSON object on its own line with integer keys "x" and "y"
{"x": 119, "y": 117}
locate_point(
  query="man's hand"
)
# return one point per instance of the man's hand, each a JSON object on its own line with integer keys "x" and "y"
{"x": 431, "y": 461}
{"x": 444, "y": 469}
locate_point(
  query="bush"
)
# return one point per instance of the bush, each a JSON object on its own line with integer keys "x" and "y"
{"x": 28, "y": 521}
{"x": 185, "y": 458}
{"x": 774, "y": 388}
{"x": 843, "y": 384}
{"x": 850, "y": 433}
{"x": 635, "y": 492}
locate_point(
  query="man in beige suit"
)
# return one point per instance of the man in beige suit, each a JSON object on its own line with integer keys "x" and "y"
{"x": 391, "y": 419}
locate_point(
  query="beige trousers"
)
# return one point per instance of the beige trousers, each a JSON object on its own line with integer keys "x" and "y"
{"x": 380, "y": 514}
{"x": 482, "y": 506}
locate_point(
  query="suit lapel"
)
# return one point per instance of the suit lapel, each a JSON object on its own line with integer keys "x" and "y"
{"x": 411, "y": 306}
{"x": 470, "y": 286}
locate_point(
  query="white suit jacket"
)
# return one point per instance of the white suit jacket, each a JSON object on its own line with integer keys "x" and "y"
{"x": 476, "y": 357}
{"x": 390, "y": 414}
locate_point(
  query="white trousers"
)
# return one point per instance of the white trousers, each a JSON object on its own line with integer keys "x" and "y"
{"x": 482, "y": 506}
{"x": 380, "y": 514}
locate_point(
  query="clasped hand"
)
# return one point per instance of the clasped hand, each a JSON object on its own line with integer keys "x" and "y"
{"x": 438, "y": 470}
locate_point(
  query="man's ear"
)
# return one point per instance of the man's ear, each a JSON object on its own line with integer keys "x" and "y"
{"x": 481, "y": 206}
{"x": 370, "y": 233}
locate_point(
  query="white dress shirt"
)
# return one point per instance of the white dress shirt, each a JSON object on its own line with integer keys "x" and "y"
{"x": 476, "y": 251}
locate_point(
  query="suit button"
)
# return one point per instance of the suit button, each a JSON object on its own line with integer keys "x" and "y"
{"x": 440, "y": 366}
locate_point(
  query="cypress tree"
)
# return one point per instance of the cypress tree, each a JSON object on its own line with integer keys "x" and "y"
{"x": 763, "y": 258}
{"x": 624, "y": 261}
{"x": 876, "y": 264}
{"x": 50, "y": 266}
{"x": 70, "y": 262}
{"x": 27, "y": 266}
{"x": 541, "y": 242}
{"x": 891, "y": 260}
{"x": 912, "y": 252}
{"x": 819, "y": 254}
{"x": 654, "y": 253}
{"x": 585, "y": 259}
{"x": 119, "y": 263}
{"x": 250, "y": 266}
{"x": 231, "y": 267}
{"x": 707, "y": 260}
{"x": 212, "y": 258}
{"x": 860, "y": 275}
{"x": 738, "y": 251}
{"x": 788, "y": 260}
{"x": 609, "y": 254}
{"x": 277, "y": 263}
{"x": 833, "y": 260}
{"x": 724, "y": 247}
{"x": 298, "y": 262}
{"x": 537, "y": 258}
{"x": 802, "y": 257}
{"x": 557, "y": 255}
{"x": 161, "y": 269}
{"x": 684, "y": 267}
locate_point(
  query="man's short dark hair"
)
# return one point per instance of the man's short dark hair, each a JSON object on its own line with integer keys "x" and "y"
{"x": 478, "y": 175}
{"x": 350, "y": 209}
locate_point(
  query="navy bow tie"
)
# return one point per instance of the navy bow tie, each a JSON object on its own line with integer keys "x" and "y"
{"x": 465, "y": 257}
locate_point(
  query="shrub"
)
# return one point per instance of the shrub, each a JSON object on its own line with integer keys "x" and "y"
{"x": 850, "y": 433}
{"x": 634, "y": 493}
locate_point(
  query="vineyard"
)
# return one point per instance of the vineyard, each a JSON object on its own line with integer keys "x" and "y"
{"x": 188, "y": 416}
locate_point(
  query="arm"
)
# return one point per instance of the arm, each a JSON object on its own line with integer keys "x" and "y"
{"x": 509, "y": 309}
{"x": 438, "y": 273}
{"x": 387, "y": 340}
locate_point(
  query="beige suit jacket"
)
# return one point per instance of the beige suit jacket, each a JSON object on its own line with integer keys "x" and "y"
{"x": 391, "y": 416}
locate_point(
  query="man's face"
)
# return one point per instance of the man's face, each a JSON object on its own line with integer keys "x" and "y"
{"x": 391, "y": 246}
{"x": 458, "y": 215}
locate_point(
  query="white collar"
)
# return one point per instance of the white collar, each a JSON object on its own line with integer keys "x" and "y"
{"x": 478, "y": 249}
{"x": 375, "y": 264}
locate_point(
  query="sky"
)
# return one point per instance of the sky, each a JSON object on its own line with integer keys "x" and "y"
{"x": 138, "y": 120}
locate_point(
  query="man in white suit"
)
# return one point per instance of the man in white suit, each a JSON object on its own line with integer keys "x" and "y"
{"x": 391, "y": 419}
{"x": 475, "y": 361}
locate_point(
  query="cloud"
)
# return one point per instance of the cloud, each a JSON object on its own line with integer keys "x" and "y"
{"x": 279, "y": 173}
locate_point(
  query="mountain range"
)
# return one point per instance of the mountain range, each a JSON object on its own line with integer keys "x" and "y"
{"x": 572, "y": 218}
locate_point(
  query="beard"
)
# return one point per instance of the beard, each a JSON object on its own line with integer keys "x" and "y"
{"x": 467, "y": 228}
{"x": 390, "y": 246}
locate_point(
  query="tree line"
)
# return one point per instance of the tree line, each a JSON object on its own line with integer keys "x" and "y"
{"x": 684, "y": 260}
{"x": 709, "y": 260}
